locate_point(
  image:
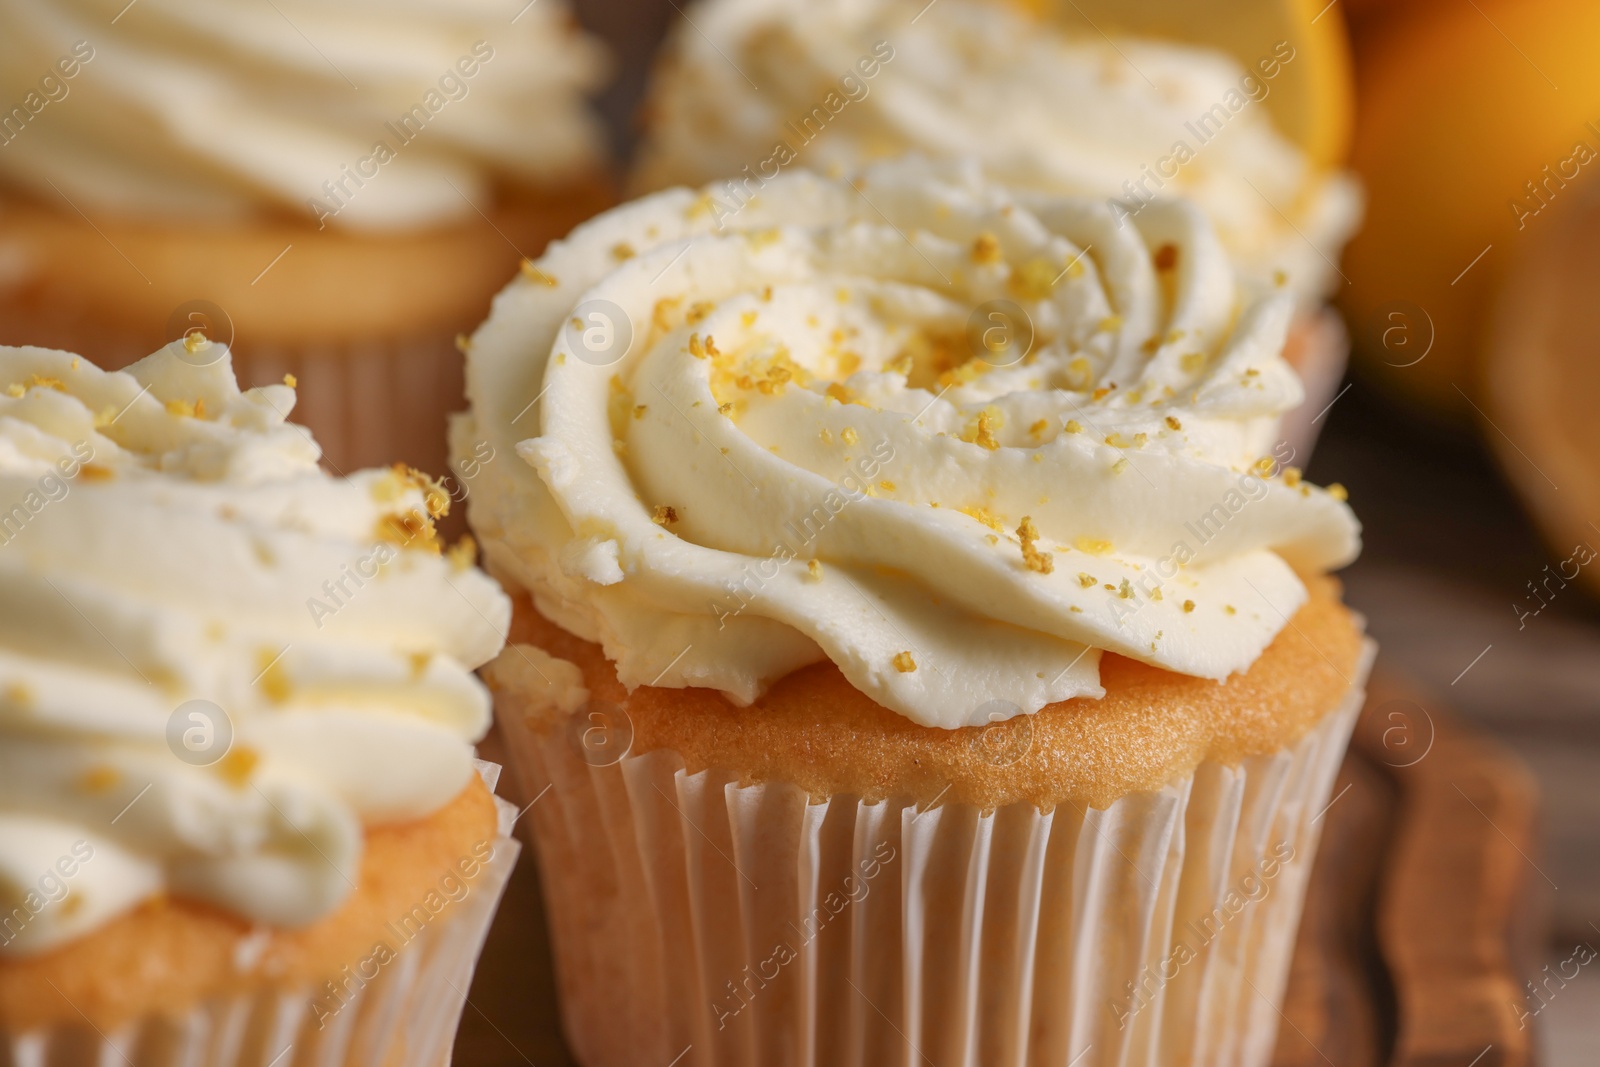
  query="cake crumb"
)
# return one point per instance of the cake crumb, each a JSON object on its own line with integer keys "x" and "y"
{"x": 904, "y": 663}
{"x": 664, "y": 515}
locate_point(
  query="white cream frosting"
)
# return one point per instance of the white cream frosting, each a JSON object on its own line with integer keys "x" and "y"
{"x": 165, "y": 538}
{"x": 1040, "y": 107}
{"x": 204, "y": 109}
{"x": 835, "y": 418}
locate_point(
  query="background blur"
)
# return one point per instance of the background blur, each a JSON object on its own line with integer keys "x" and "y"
{"x": 1469, "y": 117}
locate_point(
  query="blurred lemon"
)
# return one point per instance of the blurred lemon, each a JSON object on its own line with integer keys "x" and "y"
{"x": 1473, "y": 118}
{"x": 1310, "y": 101}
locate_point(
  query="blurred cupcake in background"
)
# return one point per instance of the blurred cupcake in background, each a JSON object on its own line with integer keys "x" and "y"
{"x": 241, "y": 822}
{"x": 1045, "y": 105}
{"x": 334, "y": 189}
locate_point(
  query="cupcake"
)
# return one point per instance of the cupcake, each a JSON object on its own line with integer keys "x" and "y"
{"x": 241, "y": 821}
{"x": 1043, "y": 106}
{"x": 333, "y": 190}
{"x": 915, "y": 648}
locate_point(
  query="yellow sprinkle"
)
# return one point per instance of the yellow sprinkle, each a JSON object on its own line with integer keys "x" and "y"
{"x": 980, "y": 431}
{"x": 273, "y": 679}
{"x": 1125, "y": 590}
{"x": 1120, "y": 465}
{"x": 534, "y": 274}
{"x": 419, "y": 664}
{"x": 1338, "y": 492}
{"x": 1035, "y": 279}
{"x": 194, "y": 341}
{"x": 697, "y": 348}
{"x": 986, "y": 249}
{"x": 904, "y": 663}
{"x": 886, "y": 485}
{"x": 98, "y": 780}
{"x": 1086, "y": 580}
{"x": 1037, "y": 429}
{"x": 1229, "y": 608}
{"x": 1188, "y": 606}
{"x": 622, "y": 251}
{"x": 238, "y": 765}
{"x": 1116, "y": 440}
{"x": 848, "y": 435}
{"x": 1074, "y": 426}
{"x": 1092, "y": 546}
{"x": 1034, "y": 559}
{"x": 1173, "y": 423}
{"x": 840, "y": 392}
{"x": 1263, "y": 466}
{"x": 411, "y": 529}
{"x": 291, "y": 381}
{"x": 825, "y": 435}
{"x": 814, "y": 569}
{"x": 1140, "y": 440}
{"x": 983, "y": 515}
{"x": 93, "y": 472}
{"x": 463, "y": 554}
{"x": 180, "y": 408}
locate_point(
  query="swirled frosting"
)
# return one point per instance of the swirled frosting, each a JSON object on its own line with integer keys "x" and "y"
{"x": 836, "y": 84}
{"x": 217, "y": 663}
{"x": 762, "y": 438}
{"x": 216, "y": 109}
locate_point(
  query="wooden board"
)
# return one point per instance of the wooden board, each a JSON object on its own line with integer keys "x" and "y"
{"x": 1425, "y": 904}
{"x": 1422, "y": 911}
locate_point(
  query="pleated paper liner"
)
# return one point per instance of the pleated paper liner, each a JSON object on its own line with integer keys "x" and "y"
{"x": 366, "y": 322}
{"x": 406, "y": 1016}
{"x": 1319, "y": 349}
{"x": 702, "y": 922}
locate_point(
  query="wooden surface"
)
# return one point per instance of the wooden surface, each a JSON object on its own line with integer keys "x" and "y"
{"x": 1424, "y": 908}
{"x": 1426, "y": 904}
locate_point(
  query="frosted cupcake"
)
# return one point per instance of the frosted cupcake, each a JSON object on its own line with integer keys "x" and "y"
{"x": 908, "y": 678}
{"x": 241, "y": 822}
{"x": 336, "y": 189}
{"x": 1044, "y": 108}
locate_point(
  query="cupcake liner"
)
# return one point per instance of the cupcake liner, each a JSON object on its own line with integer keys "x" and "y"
{"x": 404, "y": 1017}
{"x": 700, "y": 921}
{"x": 1319, "y": 349}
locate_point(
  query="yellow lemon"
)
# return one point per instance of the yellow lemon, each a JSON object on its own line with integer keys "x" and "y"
{"x": 1474, "y": 118}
